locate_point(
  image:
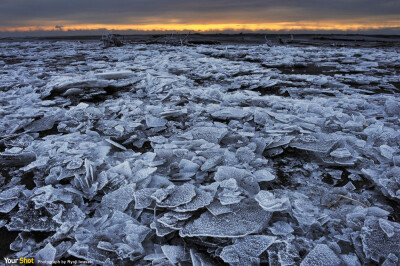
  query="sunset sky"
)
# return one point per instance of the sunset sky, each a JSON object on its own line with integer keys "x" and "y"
{"x": 141, "y": 16}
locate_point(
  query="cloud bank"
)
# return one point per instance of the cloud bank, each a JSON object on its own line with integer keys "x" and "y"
{"x": 200, "y": 15}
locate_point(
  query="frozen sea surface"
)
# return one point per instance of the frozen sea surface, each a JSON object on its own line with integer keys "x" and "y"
{"x": 200, "y": 155}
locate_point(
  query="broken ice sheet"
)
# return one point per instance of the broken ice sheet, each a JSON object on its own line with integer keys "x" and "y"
{"x": 216, "y": 208}
{"x": 269, "y": 203}
{"x": 281, "y": 228}
{"x": 152, "y": 121}
{"x": 201, "y": 200}
{"x": 320, "y": 144}
{"x": 115, "y": 75}
{"x": 230, "y": 113}
{"x": 243, "y": 177}
{"x": 200, "y": 259}
{"x": 244, "y": 154}
{"x": 68, "y": 218}
{"x": 48, "y": 194}
{"x": 175, "y": 254}
{"x": 143, "y": 197}
{"x": 210, "y": 134}
{"x": 187, "y": 166}
{"x": 47, "y": 254}
{"x": 19, "y": 159}
{"x": 120, "y": 198}
{"x": 246, "y": 250}
{"x": 161, "y": 229}
{"x": 380, "y": 238}
{"x": 304, "y": 211}
{"x": 171, "y": 221}
{"x": 115, "y": 144}
{"x": 321, "y": 255}
{"x": 31, "y": 219}
{"x": 228, "y": 197}
{"x": 211, "y": 163}
{"x": 173, "y": 196}
{"x": 143, "y": 174}
{"x": 264, "y": 175}
{"x": 9, "y": 198}
{"x": 341, "y": 153}
{"x": 201, "y": 120}
{"x": 387, "y": 151}
{"x": 245, "y": 220}
{"x": 115, "y": 236}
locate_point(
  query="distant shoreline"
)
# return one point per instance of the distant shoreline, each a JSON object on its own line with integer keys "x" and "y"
{"x": 353, "y": 40}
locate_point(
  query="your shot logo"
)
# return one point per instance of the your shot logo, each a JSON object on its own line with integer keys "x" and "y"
{"x": 19, "y": 261}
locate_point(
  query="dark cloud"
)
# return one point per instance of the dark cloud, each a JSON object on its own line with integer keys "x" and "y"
{"x": 33, "y": 12}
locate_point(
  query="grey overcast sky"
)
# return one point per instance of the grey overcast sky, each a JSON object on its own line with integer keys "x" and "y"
{"x": 44, "y": 15}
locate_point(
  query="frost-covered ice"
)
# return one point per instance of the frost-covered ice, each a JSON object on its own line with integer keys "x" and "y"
{"x": 202, "y": 155}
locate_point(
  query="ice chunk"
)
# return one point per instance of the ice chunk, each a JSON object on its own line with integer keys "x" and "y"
{"x": 47, "y": 194}
{"x": 350, "y": 259}
{"x": 152, "y": 121}
{"x": 115, "y": 75}
{"x": 264, "y": 175}
{"x": 143, "y": 174}
{"x": 201, "y": 200}
{"x": 115, "y": 144}
{"x": 378, "y": 212}
{"x": 246, "y": 250}
{"x": 102, "y": 238}
{"x": 216, "y": 208}
{"x": 211, "y": 163}
{"x": 65, "y": 84}
{"x": 281, "y": 228}
{"x": 269, "y": 203}
{"x": 171, "y": 222}
{"x": 387, "y": 151}
{"x": 321, "y": 255}
{"x": 175, "y": 254}
{"x": 279, "y": 141}
{"x": 392, "y": 260}
{"x": 187, "y": 166}
{"x": 304, "y": 211}
{"x": 313, "y": 144}
{"x": 143, "y": 197}
{"x": 392, "y": 107}
{"x": 244, "y": 154}
{"x": 243, "y": 177}
{"x": 245, "y": 220}
{"x": 386, "y": 227}
{"x": 380, "y": 238}
{"x": 227, "y": 197}
{"x": 120, "y": 198}
{"x": 161, "y": 229}
{"x": 230, "y": 113}
{"x": 46, "y": 255}
{"x": 68, "y": 218}
{"x": 9, "y": 198}
{"x": 31, "y": 219}
{"x": 43, "y": 124}
{"x": 19, "y": 159}
{"x": 73, "y": 91}
{"x": 89, "y": 184}
{"x": 123, "y": 169}
{"x": 341, "y": 153}
{"x": 75, "y": 163}
{"x": 199, "y": 259}
{"x": 173, "y": 196}
{"x": 210, "y": 134}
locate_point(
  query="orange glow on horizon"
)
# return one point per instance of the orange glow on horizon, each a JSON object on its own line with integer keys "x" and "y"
{"x": 279, "y": 26}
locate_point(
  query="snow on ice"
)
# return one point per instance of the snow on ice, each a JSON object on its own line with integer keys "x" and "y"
{"x": 200, "y": 155}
